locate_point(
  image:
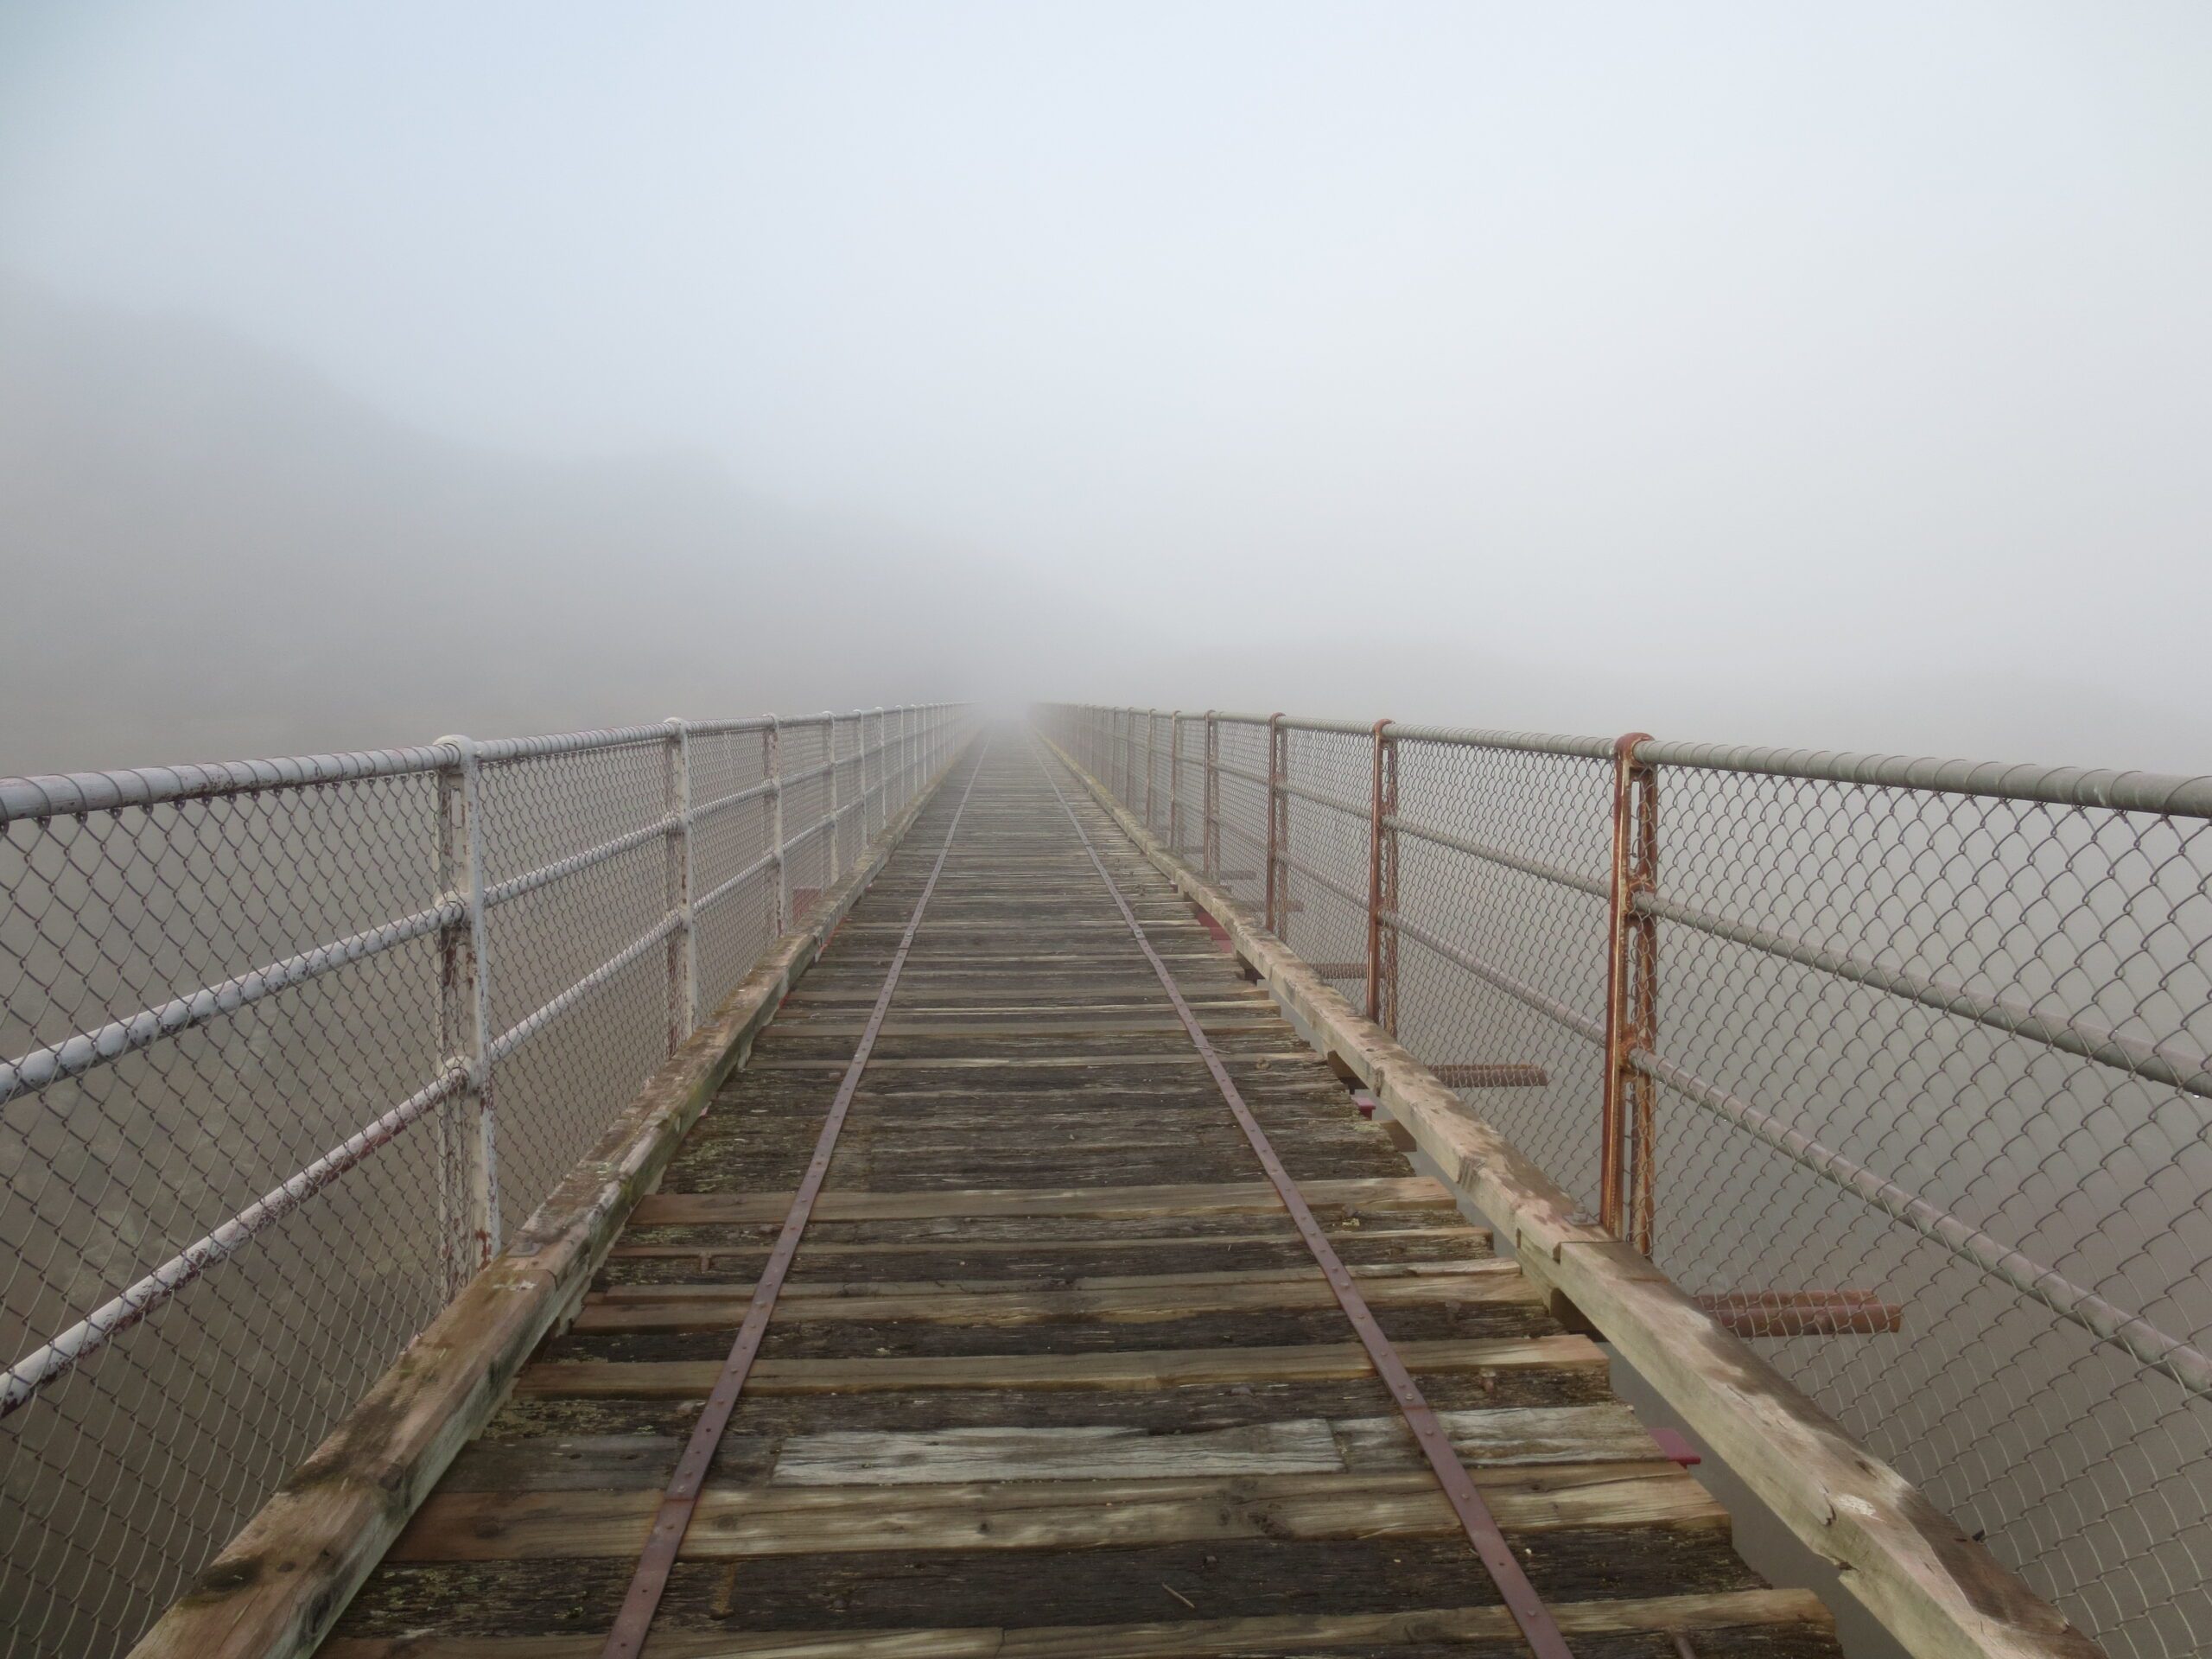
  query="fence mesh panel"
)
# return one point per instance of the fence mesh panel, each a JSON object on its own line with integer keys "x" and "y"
{"x": 1931, "y": 1113}
{"x": 225, "y": 1079}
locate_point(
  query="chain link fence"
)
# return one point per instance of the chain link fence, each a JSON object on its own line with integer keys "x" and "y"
{"x": 1899, "y": 1065}
{"x": 225, "y": 1213}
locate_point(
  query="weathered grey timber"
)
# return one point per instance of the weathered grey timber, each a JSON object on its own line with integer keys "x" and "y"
{"x": 1053, "y": 1374}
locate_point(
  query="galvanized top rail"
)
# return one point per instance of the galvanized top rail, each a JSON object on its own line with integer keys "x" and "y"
{"x": 67, "y": 794}
{"x": 2169, "y": 793}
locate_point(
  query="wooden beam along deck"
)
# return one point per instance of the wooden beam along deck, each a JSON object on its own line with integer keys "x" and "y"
{"x": 1053, "y": 1373}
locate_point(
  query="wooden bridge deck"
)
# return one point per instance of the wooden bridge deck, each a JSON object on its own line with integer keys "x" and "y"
{"x": 1053, "y": 1373}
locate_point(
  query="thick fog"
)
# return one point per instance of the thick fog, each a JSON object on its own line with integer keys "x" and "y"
{"x": 1839, "y": 377}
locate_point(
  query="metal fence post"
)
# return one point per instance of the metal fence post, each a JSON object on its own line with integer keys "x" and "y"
{"x": 905, "y": 759}
{"x": 772, "y": 768}
{"x": 1277, "y": 815}
{"x": 882, "y": 793}
{"x": 469, "y": 1161}
{"x": 1210, "y": 809}
{"x": 1626, "y": 1164}
{"x": 1151, "y": 760}
{"x": 837, "y": 852}
{"x": 859, "y": 749}
{"x": 1175, "y": 781}
{"x": 1387, "y": 1011}
{"x": 1383, "y": 882}
{"x": 683, "y": 942}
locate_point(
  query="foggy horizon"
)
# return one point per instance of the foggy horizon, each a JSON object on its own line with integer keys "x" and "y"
{"x": 1732, "y": 376}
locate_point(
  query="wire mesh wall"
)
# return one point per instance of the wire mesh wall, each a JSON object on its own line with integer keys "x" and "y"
{"x": 1900, "y": 1065}
{"x": 225, "y": 1213}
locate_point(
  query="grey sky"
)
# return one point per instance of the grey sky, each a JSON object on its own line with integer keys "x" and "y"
{"x": 1836, "y": 375}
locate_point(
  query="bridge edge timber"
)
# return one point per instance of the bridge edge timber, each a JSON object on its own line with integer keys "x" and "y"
{"x": 278, "y": 1587}
{"x": 1938, "y": 1591}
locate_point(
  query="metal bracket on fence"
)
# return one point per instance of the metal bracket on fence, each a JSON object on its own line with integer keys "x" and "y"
{"x": 1627, "y": 1165}
{"x": 469, "y": 1159}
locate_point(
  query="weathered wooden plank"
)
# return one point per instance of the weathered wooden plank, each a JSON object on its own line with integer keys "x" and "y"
{"x": 953, "y": 1456}
{"x": 735, "y": 1523}
{"x": 821, "y": 1595}
{"x": 1034, "y": 1262}
{"x": 801, "y": 1292}
{"x": 1152, "y": 1369}
{"x": 954, "y": 1231}
{"x": 561, "y": 1423}
{"x": 1472, "y": 1630}
{"x": 994, "y": 1436}
{"x": 707, "y": 1307}
{"x": 793, "y": 1337}
{"x": 933, "y": 1016}
{"x": 1558, "y": 1434}
{"x": 1473, "y": 1239}
{"x": 1381, "y": 1193}
{"x": 1025, "y": 1063}
{"x": 1246, "y": 1018}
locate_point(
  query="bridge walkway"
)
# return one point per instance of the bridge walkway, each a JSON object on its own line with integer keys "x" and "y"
{"x": 1054, "y": 1373}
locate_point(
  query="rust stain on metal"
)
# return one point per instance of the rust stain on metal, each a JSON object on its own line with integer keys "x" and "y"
{"x": 1626, "y": 1178}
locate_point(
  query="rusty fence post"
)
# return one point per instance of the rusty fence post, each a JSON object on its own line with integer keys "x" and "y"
{"x": 1175, "y": 781}
{"x": 1387, "y": 1005}
{"x": 469, "y": 1147}
{"x": 1383, "y": 882}
{"x": 683, "y": 940}
{"x": 1277, "y": 825}
{"x": 1627, "y": 1161}
{"x": 1210, "y": 819}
